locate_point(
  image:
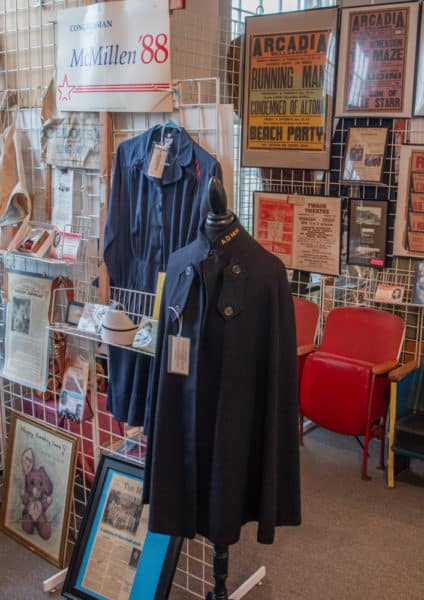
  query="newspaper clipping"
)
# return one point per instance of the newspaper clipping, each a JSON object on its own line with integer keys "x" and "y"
{"x": 27, "y": 333}
{"x": 118, "y": 540}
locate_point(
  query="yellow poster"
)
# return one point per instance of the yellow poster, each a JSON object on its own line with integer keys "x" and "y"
{"x": 287, "y": 93}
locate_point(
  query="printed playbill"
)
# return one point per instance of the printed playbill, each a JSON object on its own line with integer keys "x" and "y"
{"x": 294, "y": 63}
{"x": 377, "y": 54}
{"x": 303, "y": 231}
{"x": 288, "y": 89}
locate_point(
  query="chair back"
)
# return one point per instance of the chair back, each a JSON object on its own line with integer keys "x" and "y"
{"x": 363, "y": 333}
{"x": 306, "y": 316}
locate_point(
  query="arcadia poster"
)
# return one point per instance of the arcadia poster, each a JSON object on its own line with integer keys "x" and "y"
{"x": 377, "y": 55}
{"x": 288, "y": 89}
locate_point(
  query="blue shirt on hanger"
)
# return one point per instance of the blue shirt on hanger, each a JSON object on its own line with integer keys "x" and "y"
{"x": 148, "y": 219}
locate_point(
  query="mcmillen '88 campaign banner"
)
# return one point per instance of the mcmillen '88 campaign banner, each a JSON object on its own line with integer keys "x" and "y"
{"x": 115, "y": 56}
{"x": 288, "y": 90}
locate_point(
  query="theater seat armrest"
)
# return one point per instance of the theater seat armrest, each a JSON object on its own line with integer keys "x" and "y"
{"x": 306, "y": 349}
{"x": 402, "y": 371}
{"x": 384, "y": 367}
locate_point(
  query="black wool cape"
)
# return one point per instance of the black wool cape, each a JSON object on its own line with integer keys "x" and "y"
{"x": 223, "y": 441}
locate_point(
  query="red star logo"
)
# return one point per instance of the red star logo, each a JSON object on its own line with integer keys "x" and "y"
{"x": 65, "y": 90}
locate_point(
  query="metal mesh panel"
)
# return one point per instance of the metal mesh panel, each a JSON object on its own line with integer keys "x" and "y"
{"x": 206, "y": 68}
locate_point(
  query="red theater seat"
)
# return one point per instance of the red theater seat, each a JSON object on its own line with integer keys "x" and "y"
{"x": 344, "y": 385}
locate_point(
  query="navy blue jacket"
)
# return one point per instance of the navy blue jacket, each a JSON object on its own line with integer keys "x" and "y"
{"x": 148, "y": 219}
{"x": 223, "y": 441}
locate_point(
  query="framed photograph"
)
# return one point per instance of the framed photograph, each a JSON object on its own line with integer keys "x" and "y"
{"x": 92, "y": 318}
{"x": 303, "y": 231}
{"x": 367, "y": 233}
{"x": 288, "y": 89}
{"x": 377, "y": 60}
{"x": 38, "y": 487}
{"x": 72, "y": 399}
{"x": 115, "y": 555}
{"x": 74, "y": 312}
{"x": 145, "y": 338}
{"x": 418, "y": 293}
{"x": 389, "y": 293}
{"x": 364, "y": 156}
{"x": 409, "y": 221}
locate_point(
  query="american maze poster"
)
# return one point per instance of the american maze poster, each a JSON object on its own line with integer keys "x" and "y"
{"x": 288, "y": 90}
{"x": 377, "y": 54}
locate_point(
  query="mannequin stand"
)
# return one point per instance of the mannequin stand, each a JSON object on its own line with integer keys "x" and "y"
{"x": 218, "y": 218}
{"x": 220, "y": 573}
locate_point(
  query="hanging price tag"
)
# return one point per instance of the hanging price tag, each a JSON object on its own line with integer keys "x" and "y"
{"x": 157, "y": 161}
{"x": 178, "y": 355}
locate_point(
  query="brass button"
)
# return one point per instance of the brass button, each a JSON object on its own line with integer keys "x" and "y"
{"x": 228, "y": 311}
{"x": 236, "y": 269}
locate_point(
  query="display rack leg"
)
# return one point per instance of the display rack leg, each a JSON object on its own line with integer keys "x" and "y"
{"x": 54, "y": 581}
{"x": 220, "y": 573}
{"x": 249, "y": 584}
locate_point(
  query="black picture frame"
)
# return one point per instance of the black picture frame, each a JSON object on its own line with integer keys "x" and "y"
{"x": 418, "y": 291}
{"x": 73, "y": 312}
{"x": 367, "y": 233}
{"x": 159, "y": 551}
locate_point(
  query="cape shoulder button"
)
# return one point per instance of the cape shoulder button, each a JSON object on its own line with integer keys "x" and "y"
{"x": 228, "y": 311}
{"x": 236, "y": 269}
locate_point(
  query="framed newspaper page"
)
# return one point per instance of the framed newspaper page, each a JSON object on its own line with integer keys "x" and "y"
{"x": 409, "y": 221}
{"x": 367, "y": 233}
{"x": 115, "y": 555}
{"x": 364, "y": 155}
{"x": 288, "y": 89}
{"x": 26, "y": 333}
{"x": 376, "y": 60}
{"x": 303, "y": 231}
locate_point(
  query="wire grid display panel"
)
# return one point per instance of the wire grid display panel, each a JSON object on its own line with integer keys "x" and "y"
{"x": 356, "y": 285}
{"x": 27, "y": 59}
{"x": 208, "y": 68}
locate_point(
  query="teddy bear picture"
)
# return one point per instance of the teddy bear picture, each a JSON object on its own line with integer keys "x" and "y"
{"x": 36, "y": 496}
{"x": 36, "y": 503}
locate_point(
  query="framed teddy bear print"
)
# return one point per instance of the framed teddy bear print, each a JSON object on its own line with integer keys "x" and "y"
{"x": 38, "y": 487}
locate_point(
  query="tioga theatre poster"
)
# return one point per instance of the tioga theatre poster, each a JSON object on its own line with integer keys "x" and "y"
{"x": 377, "y": 60}
{"x": 288, "y": 90}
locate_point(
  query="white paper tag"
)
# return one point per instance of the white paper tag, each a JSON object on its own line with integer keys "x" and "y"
{"x": 157, "y": 161}
{"x": 178, "y": 355}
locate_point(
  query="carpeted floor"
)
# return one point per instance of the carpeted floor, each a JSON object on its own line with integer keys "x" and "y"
{"x": 358, "y": 541}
